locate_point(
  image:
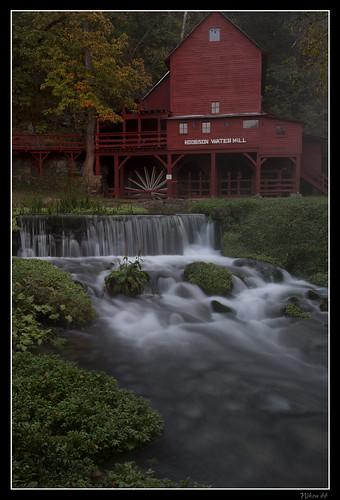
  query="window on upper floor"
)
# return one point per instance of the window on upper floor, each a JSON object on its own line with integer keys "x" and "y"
{"x": 214, "y": 35}
{"x": 250, "y": 124}
{"x": 215, "y": 107}
{"x": 183, "y": 128}
{"x": 206, "y": 127}
{"x": 280, "y": 129}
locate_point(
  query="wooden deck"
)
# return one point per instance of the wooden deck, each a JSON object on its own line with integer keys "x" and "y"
{"x": 47, "y": 143}
{"x": 130, "y": 141}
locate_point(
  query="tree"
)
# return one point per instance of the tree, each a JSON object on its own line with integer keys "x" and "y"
{"x": 86, "y": 73}
{"x": 311, "y": 30}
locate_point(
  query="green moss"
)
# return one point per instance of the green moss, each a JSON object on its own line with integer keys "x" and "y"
{"x": 294, "y": 310}
{"x": 211, "y": 278}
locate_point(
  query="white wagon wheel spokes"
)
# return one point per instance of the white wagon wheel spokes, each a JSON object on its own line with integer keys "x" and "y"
{"x": 149, "y": 183}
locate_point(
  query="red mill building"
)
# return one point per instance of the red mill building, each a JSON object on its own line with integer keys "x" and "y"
{"x": 201, "y": 131}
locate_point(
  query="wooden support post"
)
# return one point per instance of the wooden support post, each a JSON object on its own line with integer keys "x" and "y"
{"x": 116, "y": 169}
{"x": 297, "y": 173}
{"x": 72, "y": 158}
{"x": 213, "y": 190}
{"x": 257, "y": 186}
{"x": 72, "y": 165}
{"x": 40, "y": 158}
{"x": 40, "y": 164}
{"x": 169, "y": 173}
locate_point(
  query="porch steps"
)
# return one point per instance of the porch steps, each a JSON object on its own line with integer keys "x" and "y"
{"x": 319, "y": 181}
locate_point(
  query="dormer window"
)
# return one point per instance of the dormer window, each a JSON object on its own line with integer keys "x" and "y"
{"x": 214, "y": 35}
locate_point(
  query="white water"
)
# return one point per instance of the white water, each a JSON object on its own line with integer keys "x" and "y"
{"x": 243, "y": 394}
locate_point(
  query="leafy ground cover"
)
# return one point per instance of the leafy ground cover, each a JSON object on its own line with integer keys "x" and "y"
{"x": 67, "y": 421}
{"x": 45, "y": 295}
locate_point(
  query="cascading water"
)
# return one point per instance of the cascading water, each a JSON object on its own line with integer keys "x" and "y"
{"x": 83, "y": 236}
{"x": 243, "y": 393}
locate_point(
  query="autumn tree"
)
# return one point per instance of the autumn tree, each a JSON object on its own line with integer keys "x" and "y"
{"x": 85, "y": 69}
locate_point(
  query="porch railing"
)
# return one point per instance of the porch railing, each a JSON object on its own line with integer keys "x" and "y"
{"x": 47, "y": 142}
{"x": 130, "y": 140}
{"x": 276, "y": 187}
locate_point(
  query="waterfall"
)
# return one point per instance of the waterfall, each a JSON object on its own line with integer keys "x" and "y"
{"x": 86, "y": 236}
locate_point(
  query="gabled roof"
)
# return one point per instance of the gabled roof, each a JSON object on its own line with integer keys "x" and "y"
{"x": 156, "y": 84}
{"x": 167, "y": 60}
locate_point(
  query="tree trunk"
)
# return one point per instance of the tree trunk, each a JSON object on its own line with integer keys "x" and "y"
{"x": 87, "y": 170}
{"x": 183, "y": 24}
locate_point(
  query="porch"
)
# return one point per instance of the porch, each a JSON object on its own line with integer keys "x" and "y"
{"x": 178, "y": 175}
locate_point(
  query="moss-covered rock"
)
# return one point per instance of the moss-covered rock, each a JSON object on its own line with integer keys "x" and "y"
{"x": 294, "y": 310}
{"x": 211, "y": 278}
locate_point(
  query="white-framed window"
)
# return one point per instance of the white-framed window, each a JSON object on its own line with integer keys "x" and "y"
{"x": 206, "y": 127}
{"x": 215, "y": 107}
{"x": 183, "y": 128}
{"x": 250, "y": 123}
{"x": 214, "y": 35}
{"x": 280, "y": 129}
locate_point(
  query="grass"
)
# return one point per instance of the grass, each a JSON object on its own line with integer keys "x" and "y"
{"x": 289, "y": 232}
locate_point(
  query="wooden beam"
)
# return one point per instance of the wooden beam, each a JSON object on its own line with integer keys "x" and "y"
{"x": 213, "y": 186}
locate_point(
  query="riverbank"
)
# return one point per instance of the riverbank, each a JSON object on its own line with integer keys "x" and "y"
{"x": 289, "y": 232}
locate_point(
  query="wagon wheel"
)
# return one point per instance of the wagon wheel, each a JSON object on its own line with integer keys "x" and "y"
{"x": 149, "y": 183}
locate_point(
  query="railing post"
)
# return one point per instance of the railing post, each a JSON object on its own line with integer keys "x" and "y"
{"x": 213, "y": 175}
{"x": 297, "y": 173}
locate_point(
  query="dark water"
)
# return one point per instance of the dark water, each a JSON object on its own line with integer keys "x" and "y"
{"x": 243, "y": 394}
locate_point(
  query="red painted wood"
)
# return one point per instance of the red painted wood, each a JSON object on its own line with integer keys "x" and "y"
{"x": 159, "y": 96}
{"x": 228, "y": 71}
{"x": 47, "y": 142}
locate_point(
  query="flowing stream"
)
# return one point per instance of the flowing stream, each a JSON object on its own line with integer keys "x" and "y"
{"x": 243, "y": 393}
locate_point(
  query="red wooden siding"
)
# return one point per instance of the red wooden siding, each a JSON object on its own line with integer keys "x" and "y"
{"x": 234, "y": 136}
{"x": 312, "y": 155}
{"x": 228, "y": 71}
{"x": 288, "y": 144}
{"x": 159, "y": 97}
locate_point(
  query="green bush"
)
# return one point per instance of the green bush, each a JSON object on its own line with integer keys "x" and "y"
{"x": 70, "y": 304}
{"x": 66, "y": 421}
{"x": 289, "y": 232}
{"x": 26, "y": 329}
{"x": 211, "y": 278}
{"x": 127, "y": 475}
